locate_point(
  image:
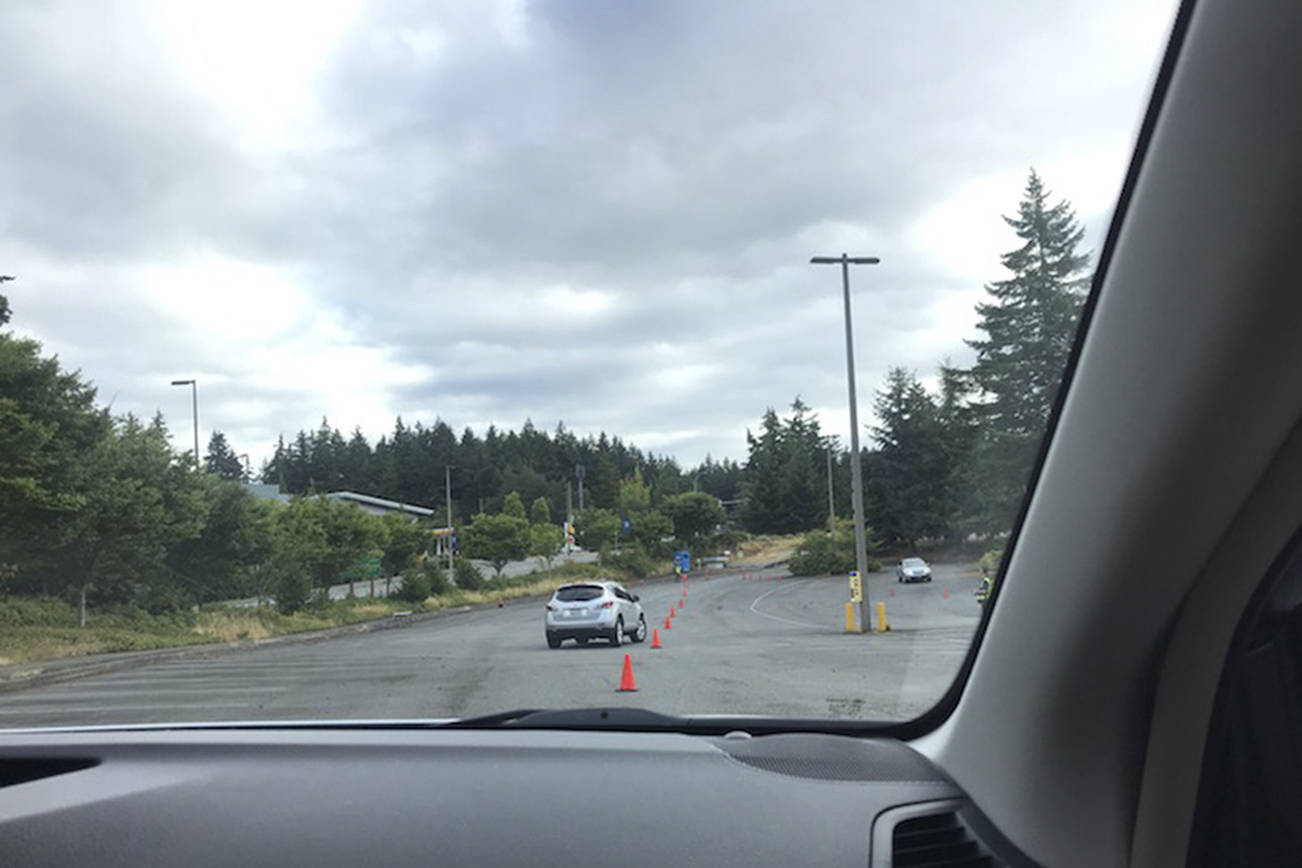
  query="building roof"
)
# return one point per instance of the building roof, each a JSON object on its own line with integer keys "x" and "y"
{"x": 380, "y": 502}
{"x": 267, "y": 491}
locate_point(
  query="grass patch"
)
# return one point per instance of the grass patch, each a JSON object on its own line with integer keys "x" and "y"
{"x": 34, "y": 629}
{"x": 46, "y": 629}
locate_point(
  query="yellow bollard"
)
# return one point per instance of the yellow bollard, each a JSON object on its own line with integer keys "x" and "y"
{"x": 849, "y": 617}
{"x": 881, "y": 617}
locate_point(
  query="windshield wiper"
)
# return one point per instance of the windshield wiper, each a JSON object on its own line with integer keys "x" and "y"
{"x": 574, "y": 718}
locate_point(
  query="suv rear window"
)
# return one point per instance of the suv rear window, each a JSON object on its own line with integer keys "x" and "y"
{"x": 579, "y": 593}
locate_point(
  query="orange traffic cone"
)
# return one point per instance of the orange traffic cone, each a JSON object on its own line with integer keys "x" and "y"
{"x": 892, "y": 592}
{"x": 682, "y": 604}
{"x": 672, "y": 613}
{"x": 666, "y": 622}
{"x": 626, "y": 684}
{"x": 655, "y": 638}
{"x": 946, "y": 594}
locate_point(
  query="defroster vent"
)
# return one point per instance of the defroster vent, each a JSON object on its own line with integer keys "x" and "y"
{"x": 938, "y": 841}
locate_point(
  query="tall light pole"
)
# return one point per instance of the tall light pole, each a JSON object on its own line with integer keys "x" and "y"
{"x": 447, "y": 492}
{"x": 194, "y": 403}
{"x": 831, "y": 502}
{"x": 856, "y": 477}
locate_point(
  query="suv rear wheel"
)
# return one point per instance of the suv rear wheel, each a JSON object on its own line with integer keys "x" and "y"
{"x": 552, "y": 641}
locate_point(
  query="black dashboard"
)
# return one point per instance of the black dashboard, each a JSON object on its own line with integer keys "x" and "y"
{"x": 420, "y": 796}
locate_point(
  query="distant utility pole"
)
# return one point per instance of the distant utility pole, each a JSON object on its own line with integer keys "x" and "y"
{"x": 569, "y": 502}
{"x": 856, "y": 478}
{"x": 447, "y": 492}
{"x": 194, "y": 403}
{"x": 831, "y": 503}
{"x": 580, "y": 471}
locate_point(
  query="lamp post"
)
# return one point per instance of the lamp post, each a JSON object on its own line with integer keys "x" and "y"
{"x": 447, "y": 492}
{"x": 856, "y": 477}
{"x": 194, "y": 403}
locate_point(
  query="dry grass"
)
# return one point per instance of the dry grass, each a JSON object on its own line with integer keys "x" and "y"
{"x": 766, "y": 549}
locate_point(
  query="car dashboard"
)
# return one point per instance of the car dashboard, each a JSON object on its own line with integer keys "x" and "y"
{"x": 420, "y": 795}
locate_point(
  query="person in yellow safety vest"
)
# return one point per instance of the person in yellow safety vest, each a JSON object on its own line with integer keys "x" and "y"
{"x": 987, "y": 584}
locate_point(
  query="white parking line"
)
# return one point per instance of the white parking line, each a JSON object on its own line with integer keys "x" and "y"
{"x": 778, "y": 617}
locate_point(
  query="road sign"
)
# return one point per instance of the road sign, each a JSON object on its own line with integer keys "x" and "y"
{"x": 683, "y": 560}
{"x": 856, "y": 587}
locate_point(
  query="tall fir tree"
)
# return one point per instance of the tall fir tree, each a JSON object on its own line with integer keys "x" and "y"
{"x": 1029, "y": 322}
{"x": 221, "y": 459}
{"x": 907, "y": 490}
{"x": 763, "y": 490}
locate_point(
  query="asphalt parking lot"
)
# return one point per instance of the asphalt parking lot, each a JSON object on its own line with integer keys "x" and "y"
{"x": 760, "y": 642}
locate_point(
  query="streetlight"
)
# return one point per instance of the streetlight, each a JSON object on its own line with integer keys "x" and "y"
{"x": 856, "y": 478}
{"x": 194, "y": 403}
{"x": 447, "y": 491}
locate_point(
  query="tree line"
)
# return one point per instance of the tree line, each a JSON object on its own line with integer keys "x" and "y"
{"x": 409, "y": 464}
{"x": 950, "y": 462}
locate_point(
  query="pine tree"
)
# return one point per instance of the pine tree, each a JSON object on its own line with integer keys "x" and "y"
{"x": 802, "y": 480}
{"x": 221, "y": 459}
{"x": 907, "y": 489}
{"x": 1029, "y": 323}
{"x": 763, "y": 491}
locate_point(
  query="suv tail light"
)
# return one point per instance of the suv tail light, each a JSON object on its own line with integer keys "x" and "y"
{"x": 607, "y": 604}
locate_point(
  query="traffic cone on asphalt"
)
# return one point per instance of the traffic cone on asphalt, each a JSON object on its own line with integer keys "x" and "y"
{"x": 892, "y": 592}
{"x": 682, "y": 604}
{"x": 655, "y": 639}
{"x": 666, "y": 622}
{"x": 626, "y": 684}
{"x": 946, "y": 594}
{"x": 672, "y": 613}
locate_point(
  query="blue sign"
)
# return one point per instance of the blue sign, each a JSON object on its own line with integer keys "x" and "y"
{"x": 683, "y": 560}
{"x": 626, "y": 526}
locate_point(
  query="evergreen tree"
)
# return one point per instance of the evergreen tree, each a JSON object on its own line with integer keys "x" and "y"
{"x": 1029, "y": 323}
{"x": 908, "y": 487}
{"x": 803, "y": 478}
{"x": 763, "y": 492}
{"x": 221, "y": 459}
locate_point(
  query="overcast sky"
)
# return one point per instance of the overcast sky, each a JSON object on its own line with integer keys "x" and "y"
{"x": 595, "y": 212}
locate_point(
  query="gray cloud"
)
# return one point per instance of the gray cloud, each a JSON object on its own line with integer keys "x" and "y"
{"x": 600, "y": 213}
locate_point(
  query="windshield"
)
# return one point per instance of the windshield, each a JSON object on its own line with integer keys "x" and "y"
{"x": 335, "y": 337}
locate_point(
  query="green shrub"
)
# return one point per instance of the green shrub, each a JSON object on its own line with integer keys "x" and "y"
{"x": 634, "y": 561}
{"x": 161, "y": 599}
{"x": 990, "y": 561}
{"x": 822, "y": 554}
{"x": 726, "y": 540}
{"x": 467, "y": 575}
{"x": 436, "y": 576}
{"x": 415, "y": 587}
{"x": 37, "y": 612}
{"x": 293, "y": 590}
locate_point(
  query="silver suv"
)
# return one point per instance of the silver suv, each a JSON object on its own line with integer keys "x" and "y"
{"x": 594, "y": 610}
